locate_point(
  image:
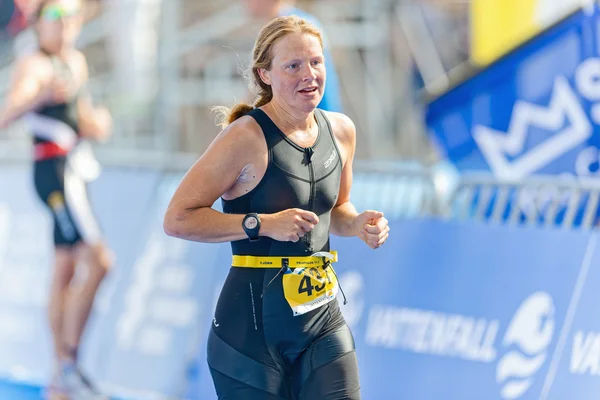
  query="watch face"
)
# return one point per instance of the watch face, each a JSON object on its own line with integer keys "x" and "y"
{"x": 251, "y": 223}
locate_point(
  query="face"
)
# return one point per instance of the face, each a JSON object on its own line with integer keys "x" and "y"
{"x": 59, "y": 24}
{"x": 297, "y": 74}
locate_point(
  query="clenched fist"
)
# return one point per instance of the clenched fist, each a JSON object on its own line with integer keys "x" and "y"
{"x": 372, "y": 228}
{"x": 288, "y": 225}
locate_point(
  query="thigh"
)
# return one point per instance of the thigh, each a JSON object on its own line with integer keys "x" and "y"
{"x": 236, "y": 345}
{"x": 50, "y": 187}
{"x": 337, "y": 380}
{"x": 79, "y": 208}
{"x": 228, "y": 388}
{"x": 328, "y": 369}
{"x": 247, "y": 371}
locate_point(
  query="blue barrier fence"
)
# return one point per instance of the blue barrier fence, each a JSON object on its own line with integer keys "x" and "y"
{"x": 445, "y": 310}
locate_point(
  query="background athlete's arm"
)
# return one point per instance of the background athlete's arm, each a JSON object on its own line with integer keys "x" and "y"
{"x": 370, "y": 225}
{"x": 27, "y": 91}
{"x": 94, "y": 122}
{"x": 190, "y": 214}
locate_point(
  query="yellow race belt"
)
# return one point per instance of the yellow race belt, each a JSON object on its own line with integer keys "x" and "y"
{"x": 308, "y": 282}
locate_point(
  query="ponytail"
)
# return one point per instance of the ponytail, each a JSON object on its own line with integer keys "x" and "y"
{"x": 226, "y": 115}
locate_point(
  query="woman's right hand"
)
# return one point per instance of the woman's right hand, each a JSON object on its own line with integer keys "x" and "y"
{"x": 105, "y": 122}
{"x": 288, "y": 225}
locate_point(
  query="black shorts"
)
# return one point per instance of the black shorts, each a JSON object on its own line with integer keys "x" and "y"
{"x": 65, "y": 194}
{"x": 257, "y": 349}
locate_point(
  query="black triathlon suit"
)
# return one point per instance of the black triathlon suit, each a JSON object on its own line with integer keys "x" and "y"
{"x": 55, "y": 131}
{"x": 257, "y": 348}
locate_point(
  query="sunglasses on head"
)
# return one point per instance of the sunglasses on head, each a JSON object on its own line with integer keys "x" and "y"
{"x": 56, "y": 12}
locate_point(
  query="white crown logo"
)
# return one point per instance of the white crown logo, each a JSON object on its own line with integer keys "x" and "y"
{"x": 496, "y": 145}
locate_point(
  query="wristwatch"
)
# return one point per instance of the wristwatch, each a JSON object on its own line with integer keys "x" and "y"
{"x": 251, "y": 225}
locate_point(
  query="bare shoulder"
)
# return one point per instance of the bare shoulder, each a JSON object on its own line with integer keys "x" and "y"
{"x": 33, "y": 65}
{"x": 343, "y": 127}
{"x": 244, "y": 132}
{"x": 33, "y": 59}
{"x": 241, "y": 141}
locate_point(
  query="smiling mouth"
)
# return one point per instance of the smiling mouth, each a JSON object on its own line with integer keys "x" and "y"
{"x": 308, "y": 90}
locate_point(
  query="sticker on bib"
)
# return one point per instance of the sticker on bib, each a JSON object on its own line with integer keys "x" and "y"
{"x": 306, "y": 289}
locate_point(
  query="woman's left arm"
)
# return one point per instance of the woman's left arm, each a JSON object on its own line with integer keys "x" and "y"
{"x": 370, "y": 225}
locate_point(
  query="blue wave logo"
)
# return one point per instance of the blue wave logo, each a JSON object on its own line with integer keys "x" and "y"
{"x": 530, "y": 331}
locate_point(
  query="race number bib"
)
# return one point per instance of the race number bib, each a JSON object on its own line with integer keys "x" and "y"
{"x": 308, "y": 288}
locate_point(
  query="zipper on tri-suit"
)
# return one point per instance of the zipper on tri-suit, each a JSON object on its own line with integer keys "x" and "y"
{"x": 308, "y": 152}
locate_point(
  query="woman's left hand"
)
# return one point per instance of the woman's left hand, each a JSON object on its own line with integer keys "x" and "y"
{"x": 372, "y": 228}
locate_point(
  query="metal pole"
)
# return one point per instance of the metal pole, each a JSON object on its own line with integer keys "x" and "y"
{"x": 167, "y": 113}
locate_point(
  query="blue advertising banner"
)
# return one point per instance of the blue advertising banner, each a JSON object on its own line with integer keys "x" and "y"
{"x": 534, "y": 111}
{"x": 464, "y": 311}
{"x": 25, "y": 254}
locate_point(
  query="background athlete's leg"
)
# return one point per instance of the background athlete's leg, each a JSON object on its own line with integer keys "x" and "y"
{"x": 60, "y": 294}
{"x": 230, "y": 389}
{"x": 96, "y": 260}
{"x": 77, "y": 296}
{"x": 328, "y": 369}
{"x": 64, "y": 267}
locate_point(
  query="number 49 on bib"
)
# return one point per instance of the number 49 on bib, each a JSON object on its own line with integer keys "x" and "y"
{"x": 306, "y": 289}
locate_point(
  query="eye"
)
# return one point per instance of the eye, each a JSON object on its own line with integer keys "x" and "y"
{"x": 293, "y": 66}
{"x": 317, "y": 62}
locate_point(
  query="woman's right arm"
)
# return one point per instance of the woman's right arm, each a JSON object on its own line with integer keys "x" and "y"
{"x": 25, "y": 92}
{"x": 190, "y": 216}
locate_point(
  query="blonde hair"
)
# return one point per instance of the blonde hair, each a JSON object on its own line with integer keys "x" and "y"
{"x": 262, "y": 58}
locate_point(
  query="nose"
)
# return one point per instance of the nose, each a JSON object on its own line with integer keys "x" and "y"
{"x": 310, "y": 74}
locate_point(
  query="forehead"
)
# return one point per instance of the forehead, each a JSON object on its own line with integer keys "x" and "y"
{"x": 297, "y": 45}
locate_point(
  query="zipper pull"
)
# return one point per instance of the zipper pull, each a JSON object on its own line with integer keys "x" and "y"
{"x": 308, "y": 153}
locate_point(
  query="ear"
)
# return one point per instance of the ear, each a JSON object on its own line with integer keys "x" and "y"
{"x": 265, "y": 75}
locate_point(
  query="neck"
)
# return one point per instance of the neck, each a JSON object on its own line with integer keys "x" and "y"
{"x": 60, "y": 52}
{"x": 290, "y": 120}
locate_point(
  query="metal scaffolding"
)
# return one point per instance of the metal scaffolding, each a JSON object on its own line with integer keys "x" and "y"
{"x": 184, "y": 57}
